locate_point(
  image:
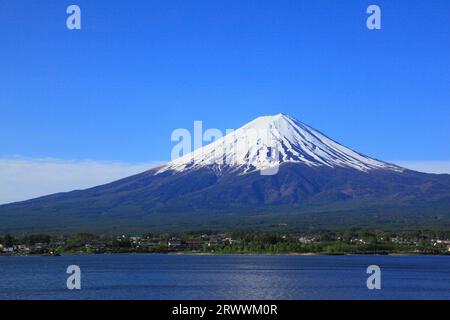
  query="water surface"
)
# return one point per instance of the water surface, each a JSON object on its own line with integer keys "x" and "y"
{"x": 155, "y": 276}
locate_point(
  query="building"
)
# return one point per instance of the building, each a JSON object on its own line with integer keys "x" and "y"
{"x": 8, "y": 249}
{"x": 21, "y": 248}
{"x": 135, "y": 240}
{"x": 173, "y": 243}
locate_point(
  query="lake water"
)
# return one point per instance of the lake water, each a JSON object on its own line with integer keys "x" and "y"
{"x": 154, "y": 276}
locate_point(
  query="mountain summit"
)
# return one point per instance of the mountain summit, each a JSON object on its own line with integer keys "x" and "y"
{"x": 269, "y": 141}
{"x": 318, "y": 183}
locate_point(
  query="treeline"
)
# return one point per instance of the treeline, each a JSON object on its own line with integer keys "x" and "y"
{"x": 245, "y": 242}
{"x": 248, "y": 236}
{"x": 329, "y": 248}
{"x": 370, "y": 236}
{"x": 9, "y": 240}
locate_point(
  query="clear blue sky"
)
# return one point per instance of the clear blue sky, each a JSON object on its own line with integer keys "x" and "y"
{"x": 137, "y": 70}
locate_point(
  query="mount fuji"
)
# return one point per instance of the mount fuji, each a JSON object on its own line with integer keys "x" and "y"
{"x": 274, "y": 171}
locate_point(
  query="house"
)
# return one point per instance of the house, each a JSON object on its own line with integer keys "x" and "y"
{"x": 213, "y": 242}
{"x": 358, "y": 241}
{"x": 135, "y": 240}
{"x": 194, "y": 242}
{"x": 122, "y": 238}
{"x": 21, "y": 247}
{"x": 174, "y": 243}
{"x": 306, "y": 240}
{"x": 8, "y": 249}
{"x": 230, "y": 241}
{"x": 150, "y": 244}
{"x": 217, "y": 240}
{"x": 40, "y": 246}
{"x": 441, "y": 243}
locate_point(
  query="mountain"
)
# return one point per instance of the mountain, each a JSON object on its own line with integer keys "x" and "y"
{"x": 273, "y": 172}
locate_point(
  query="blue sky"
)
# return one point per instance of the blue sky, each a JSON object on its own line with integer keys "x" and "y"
{"x": 116, "y": 89}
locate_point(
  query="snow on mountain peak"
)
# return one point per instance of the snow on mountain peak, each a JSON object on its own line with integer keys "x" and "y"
{"x": 267, "y": 142}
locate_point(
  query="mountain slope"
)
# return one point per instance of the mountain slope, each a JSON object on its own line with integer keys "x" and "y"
{"x": 318, "y": 183}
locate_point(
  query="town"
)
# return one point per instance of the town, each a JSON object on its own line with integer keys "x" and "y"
{"x": 241, "y": 242}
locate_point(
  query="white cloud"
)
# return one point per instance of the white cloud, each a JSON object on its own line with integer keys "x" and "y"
{"x": 425, "y": 166}
{"x": 22, "y": 179}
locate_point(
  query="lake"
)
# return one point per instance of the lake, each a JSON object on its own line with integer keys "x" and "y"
{"x": 159, "y": 276}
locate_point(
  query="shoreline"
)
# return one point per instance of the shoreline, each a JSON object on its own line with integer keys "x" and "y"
{"x": 308, "y": 254}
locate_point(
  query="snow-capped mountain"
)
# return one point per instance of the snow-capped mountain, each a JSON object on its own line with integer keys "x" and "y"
{"x": 318, "y": 183}
{"x": 269, "y": 141}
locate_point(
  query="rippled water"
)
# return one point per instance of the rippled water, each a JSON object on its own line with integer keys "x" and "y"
{"x": 147, "y": 276}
